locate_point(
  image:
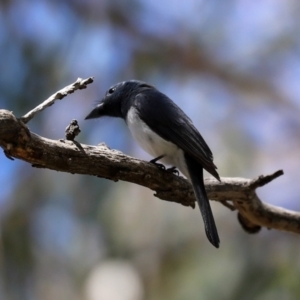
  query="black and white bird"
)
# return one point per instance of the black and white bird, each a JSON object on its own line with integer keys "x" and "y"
{"x": 163, "y": 130}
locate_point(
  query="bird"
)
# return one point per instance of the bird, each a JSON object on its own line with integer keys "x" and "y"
{"x": 163, "y": 130}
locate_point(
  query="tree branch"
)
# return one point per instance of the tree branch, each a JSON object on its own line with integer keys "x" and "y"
{"x": 70, "y": 156}
{"x": 79, "y": 84}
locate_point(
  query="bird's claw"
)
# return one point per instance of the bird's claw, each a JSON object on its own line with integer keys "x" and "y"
{"x": 173, "y": 170}
{"x": 160, "y": 166}
{"x": 154, "y": 161}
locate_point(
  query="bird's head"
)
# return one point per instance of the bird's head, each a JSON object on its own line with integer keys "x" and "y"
{"x": 118, "y": 99}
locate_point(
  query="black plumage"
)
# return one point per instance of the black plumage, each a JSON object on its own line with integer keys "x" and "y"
{"x": 165, "y": 131}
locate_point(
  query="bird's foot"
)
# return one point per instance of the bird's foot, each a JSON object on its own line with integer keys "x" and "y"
{"x": 173, "y": 170}
{"x": 154, "y": 161}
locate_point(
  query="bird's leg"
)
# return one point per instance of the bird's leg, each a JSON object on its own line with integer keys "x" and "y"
{"x": 154, "y": 161}
{"x": 173, "y": 170}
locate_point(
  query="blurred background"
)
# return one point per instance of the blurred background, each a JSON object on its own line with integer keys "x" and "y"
{"x": 234, "y": 68}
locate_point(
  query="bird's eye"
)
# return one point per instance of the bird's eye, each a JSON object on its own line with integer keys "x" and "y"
{"x": 111, "y": 90}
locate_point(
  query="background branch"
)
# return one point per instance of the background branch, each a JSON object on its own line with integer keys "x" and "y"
{"x": 79, "y": 84}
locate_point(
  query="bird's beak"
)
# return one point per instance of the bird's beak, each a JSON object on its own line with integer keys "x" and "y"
{"x": 97, "y": 112}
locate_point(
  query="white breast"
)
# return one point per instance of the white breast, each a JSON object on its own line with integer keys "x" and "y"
{"x": 153, "y": 143}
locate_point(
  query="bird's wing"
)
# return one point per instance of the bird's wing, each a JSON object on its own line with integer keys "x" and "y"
{"x": 166, "y": 119}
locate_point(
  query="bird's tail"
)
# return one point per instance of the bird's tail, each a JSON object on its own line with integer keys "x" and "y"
{"x": 196, "y": 176}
